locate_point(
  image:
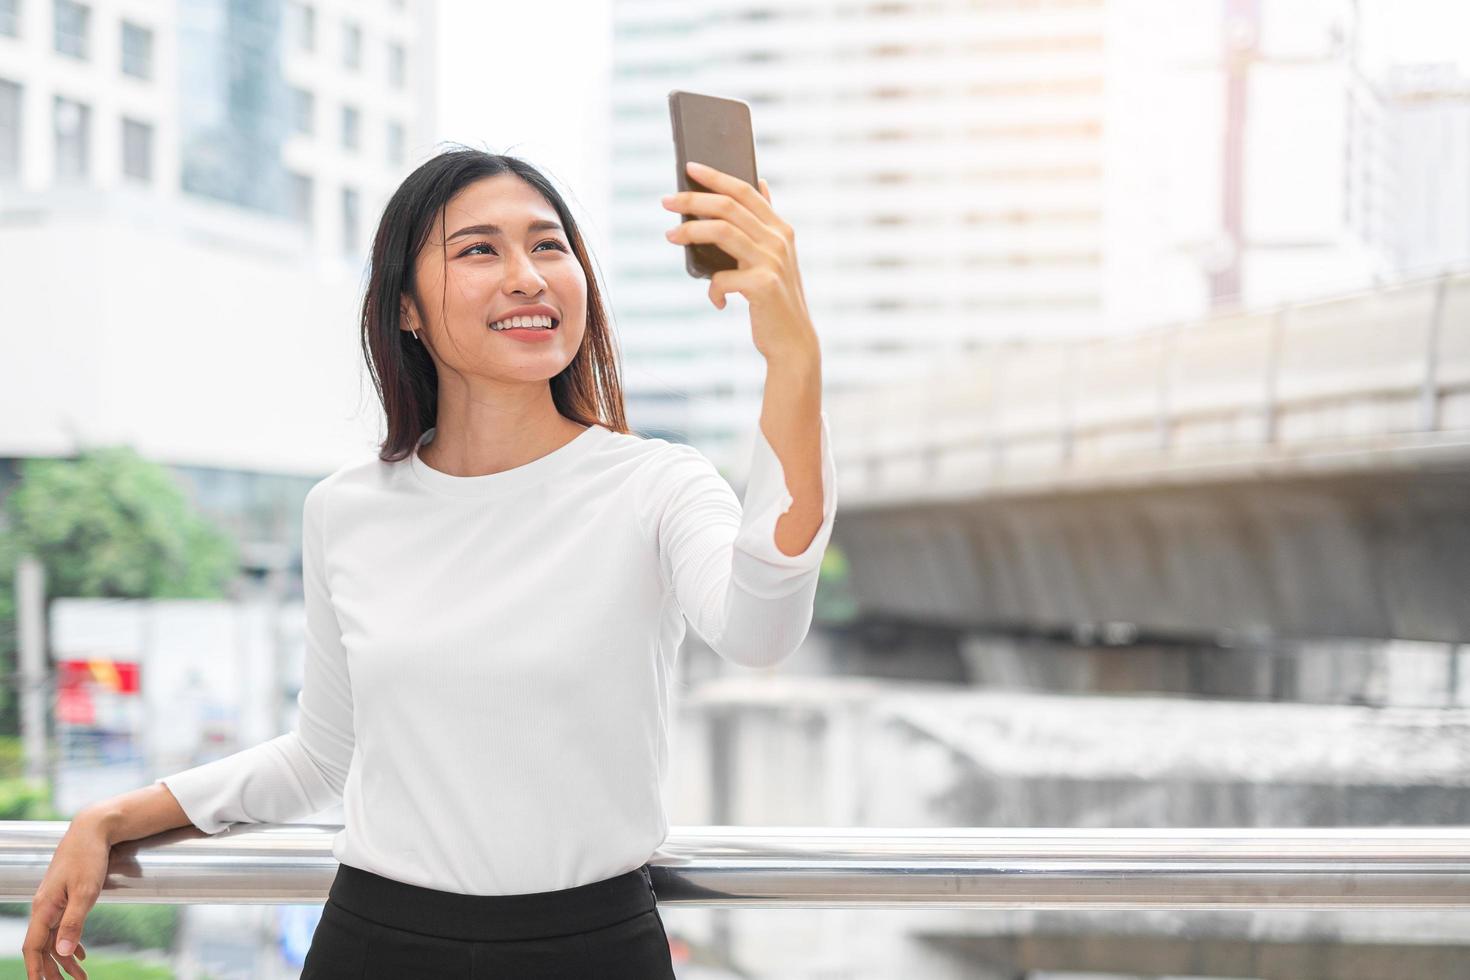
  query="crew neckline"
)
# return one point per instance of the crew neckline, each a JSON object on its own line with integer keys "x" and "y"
{"x": 515, "y": 478}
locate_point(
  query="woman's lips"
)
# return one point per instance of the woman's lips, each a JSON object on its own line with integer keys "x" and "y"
{"x": 526, "y": 335}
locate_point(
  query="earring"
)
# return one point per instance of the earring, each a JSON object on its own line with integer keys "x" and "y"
{"x": 415, "y": 335}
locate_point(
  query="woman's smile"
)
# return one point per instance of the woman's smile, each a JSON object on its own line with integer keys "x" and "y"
{"x": 527, "y": 335}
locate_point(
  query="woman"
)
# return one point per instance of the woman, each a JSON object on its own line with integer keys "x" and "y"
{"x": 495, "y": 600}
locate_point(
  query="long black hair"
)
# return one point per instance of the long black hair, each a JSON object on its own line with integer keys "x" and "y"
{"x": 589, "y": 390}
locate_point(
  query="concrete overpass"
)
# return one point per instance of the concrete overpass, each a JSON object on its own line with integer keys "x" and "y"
{"x": 1296, "y": 472}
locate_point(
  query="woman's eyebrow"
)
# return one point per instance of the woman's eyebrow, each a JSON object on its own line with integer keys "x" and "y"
{"x": 497, "y": 230}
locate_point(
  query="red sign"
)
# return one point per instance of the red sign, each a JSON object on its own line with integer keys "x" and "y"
{"x": 118, "y": 676}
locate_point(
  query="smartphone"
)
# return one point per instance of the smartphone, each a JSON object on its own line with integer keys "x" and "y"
{"x": 714, "y": 131}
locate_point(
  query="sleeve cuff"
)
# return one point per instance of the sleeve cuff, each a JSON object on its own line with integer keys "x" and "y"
{"x": 192, "y": 789}
{"x": 760, "y": 567}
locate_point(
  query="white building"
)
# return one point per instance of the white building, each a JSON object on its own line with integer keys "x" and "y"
{"x": 941, "y": 162}
{"x": 306, "y": 111}
{"x": 187, "y": 196}
{"x": 1429, "y": 113}
{"x": 963, "y": 173}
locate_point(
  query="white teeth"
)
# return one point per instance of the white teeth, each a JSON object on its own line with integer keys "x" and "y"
{"x": 522, "y": 322}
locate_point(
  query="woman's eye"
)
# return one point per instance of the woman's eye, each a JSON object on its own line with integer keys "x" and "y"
{"x": 550, "y": 241}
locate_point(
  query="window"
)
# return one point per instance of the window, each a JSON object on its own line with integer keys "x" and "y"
{"x": 350, "y": 207}
{"x": 70, "y": 20}
{"x": 9, "y": 130}
{"x": 10, "y": 18}
{"x": 395, "y": 143}
{"x": 351, "y": 46}
{"x": 137, "y": 140}
{"x": 73, "y": 124}
{"x": 137, "y": 50}
{"x": 301, "y": 25}
{"x": 397, "y": 64}
{"x": 351, "y": 121}
{"x": 303, "y": 111}
{"x": 301, "y": 198}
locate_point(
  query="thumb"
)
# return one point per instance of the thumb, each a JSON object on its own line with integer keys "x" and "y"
{"x": 69, "y": 933}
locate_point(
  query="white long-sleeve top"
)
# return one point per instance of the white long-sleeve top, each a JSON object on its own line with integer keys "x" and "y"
{"x": 490, "y": 659}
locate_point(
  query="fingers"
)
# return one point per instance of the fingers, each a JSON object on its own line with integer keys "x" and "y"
{"x": 734, "y": 281}
{"x": 729, "y": 184}
{"x": 80, "y": 900}
{"x": 53, "y": 937}
{"x": 71, "y": 966}
{"x": 734, "y": 200}
{"x": 46, "y": 968}
{"x": 731, "y": 239}
{"x": 70, "y": 932}
{"x": 719, "y": 206}
{"x": 38, "y": 937}
{"x": 67, "y": 961}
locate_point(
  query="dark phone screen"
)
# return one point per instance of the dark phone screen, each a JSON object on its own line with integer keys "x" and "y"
{"x": 714, "y": 131}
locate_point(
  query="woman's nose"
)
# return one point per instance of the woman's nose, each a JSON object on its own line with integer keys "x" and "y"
{"x": 521, "y": 270}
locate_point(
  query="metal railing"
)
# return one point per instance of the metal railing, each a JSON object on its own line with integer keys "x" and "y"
{"x": 823, "y": 867}
{"x": 1375, "y": 364}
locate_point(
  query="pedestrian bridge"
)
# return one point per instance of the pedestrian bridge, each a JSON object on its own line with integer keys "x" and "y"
{"x": 1300, "y": 471}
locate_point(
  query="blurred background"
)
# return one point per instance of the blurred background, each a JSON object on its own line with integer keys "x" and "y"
{"x": 1146, "y": 337}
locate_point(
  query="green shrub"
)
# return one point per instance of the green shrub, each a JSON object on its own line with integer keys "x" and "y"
{"x": 141, "y": 925}
{"x": 101, "y": 966}
{"x": 12, "y": 756}
{"x": 25, "y": 799}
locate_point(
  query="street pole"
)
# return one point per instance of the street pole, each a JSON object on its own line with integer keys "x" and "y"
{"x": 30, "y": 621}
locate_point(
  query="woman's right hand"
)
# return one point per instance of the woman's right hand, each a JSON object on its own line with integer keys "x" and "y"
{"x": 66, "y": 894}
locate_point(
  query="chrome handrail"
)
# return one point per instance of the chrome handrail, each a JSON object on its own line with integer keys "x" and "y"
{"x": 832, "y": 867}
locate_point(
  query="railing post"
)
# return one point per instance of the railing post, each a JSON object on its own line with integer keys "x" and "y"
{"x": 35, "y": 684}
{"x": 1164, "y": 431}
{"x": 1429, "y": 394}
{"x": 1069, "y": 417}
{"x": 1273, "y": 371}
{"x": 997, "y": 444}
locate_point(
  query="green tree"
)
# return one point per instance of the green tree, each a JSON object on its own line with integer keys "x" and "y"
{"x": 113, "y": 525}
{"x": 107, "y": 524}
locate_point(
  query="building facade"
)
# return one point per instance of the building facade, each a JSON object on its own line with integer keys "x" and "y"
{"x": 188, "y": 192}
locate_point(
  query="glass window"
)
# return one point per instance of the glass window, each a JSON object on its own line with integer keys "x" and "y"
{"x": 73, "y": 127}
{"x": 351, "y": 46}
{"x": 70, "y": 20}
{"x": 395, "y": 143}
{"x": 301, "y": 195}
{"x": 137, "y": 150}
{"x": 303, "y": 111}
{"x": 397, "y": 64}
{"x": 301, "y": 25}
{"x": 137, "y": 50}
{"x": 9, "y": 130}
{"x": 10, "y": 18}
{"x": 351, "y": 123}
{"x": 350, "y": 208}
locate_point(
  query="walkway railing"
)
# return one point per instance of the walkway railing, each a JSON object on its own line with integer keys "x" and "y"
{"x": 822, "y": 867}
{"x": 1381, "y": 368}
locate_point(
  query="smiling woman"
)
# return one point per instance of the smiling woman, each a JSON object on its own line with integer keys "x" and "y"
{"x": 495, "y": 603}
{"x": 473, "y": 243}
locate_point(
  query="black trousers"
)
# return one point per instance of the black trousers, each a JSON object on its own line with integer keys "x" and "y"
{"x": 376, "y": 928}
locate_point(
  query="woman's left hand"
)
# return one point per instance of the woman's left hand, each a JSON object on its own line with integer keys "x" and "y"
{"x": 764, "y": 247}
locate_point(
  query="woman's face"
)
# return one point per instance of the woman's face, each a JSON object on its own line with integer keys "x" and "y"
{"x": 483, "y": 273}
